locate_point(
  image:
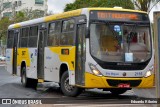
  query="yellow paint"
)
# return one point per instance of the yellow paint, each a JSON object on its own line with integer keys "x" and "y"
{"x": 66, "y": 58}
{"x": 116, "y": 9}
{"x": 40, "y": 80}
{"x": 74, "y": 13}
{"x": 63, "y": 15}
{"x": 12, "y": 56}
{"x": 147, "y": 82}
{"x": 16, "y": 25}
{"x": 92, "y": 81}
{"x": 23, "y": 55}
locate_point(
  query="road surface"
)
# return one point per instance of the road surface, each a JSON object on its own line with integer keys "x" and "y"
{"x": 10, "y": 87}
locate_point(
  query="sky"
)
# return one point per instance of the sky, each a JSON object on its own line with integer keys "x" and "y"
{"x": 57, "y": 6}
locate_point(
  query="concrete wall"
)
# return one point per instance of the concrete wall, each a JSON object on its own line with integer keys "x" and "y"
{"x": 26, "y": 4}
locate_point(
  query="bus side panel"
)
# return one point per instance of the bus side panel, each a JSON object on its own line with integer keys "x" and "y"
{"x": 18, "y": 62}
{"x": 9, "y": 59}
{"x": 51, "y": 65}
{"x": 54, "y": 57}
{"x": 29, "y": 56}
{"x": 32, "y": 71}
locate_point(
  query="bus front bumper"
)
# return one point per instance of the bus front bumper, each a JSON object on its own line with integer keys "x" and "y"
{"x": 93, "y": 81}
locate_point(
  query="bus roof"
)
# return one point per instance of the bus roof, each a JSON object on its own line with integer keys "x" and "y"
{"x": 66, "y": 15}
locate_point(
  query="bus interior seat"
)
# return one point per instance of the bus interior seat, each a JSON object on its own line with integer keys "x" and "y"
{"x": 109, "y": 43}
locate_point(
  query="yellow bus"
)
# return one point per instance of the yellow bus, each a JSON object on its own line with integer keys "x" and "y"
{"x": 104, "y": 48}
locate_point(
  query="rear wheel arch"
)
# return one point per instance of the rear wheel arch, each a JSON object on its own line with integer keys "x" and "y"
{"x": 63, "y": 68}
{"x": 27, "y": 82}
{"x": 23, "y": 64}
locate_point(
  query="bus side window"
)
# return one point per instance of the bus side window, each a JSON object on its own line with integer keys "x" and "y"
{"x": 54, "y": 32}
{"x": 10, "y": 39}
{"x": 67, "y": 36}
{"x": 24, "y": 37}
{"x": 32, "y": 41}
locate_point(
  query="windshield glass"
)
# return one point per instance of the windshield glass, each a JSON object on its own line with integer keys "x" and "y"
{"x": 115, "y": 42}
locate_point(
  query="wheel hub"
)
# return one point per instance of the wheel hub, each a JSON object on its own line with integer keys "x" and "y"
{"x": 68, "y": 87}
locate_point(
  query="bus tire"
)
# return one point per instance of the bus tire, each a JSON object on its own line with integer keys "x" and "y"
{"x": 67, "y": 89}
{"x": 117, "y": 91}
{"x": 33, "y": 83}
{"x": 24, "y": 79}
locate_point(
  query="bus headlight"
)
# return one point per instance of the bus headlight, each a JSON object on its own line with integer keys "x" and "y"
{"x": 94, "y": 69}
{"x": 149, "y": 72}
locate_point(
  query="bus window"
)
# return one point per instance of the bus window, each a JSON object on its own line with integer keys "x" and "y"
{"x": 54, "y": 32}
{"x": 107, "y": 46}
{"x": 10, "y": 39}
{"x": 67, "y": 36}
{"x": 24, "y": 37}
{"x": 32, "y": 41}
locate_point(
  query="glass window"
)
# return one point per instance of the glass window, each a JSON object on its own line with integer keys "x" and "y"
{"x": 7, "y": 5}
{"x": 7, "y": 14}
{"x": 32, "y": 42}
{"x": 19, "y": 3}
{"x": 34, "y": 31}
{"x": 68, "y": 25}
{"x": 10, "y": 39}
{"x": 24, "y": 37}
{"x": 54, "y": 33}
{"x": 39, "y": 1}
{"x": 67, "y": 36}
{"x": 25, "y": 32}
{"x": 116, "y": 42}
{"x": 15, "y": 3}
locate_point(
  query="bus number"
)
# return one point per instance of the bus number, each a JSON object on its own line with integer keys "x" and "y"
{"x": 138, "y": 73}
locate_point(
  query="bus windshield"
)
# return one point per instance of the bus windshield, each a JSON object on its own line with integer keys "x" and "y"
{"x": 117, "y": 42}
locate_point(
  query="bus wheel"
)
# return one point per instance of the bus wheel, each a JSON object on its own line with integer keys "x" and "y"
{"x": 67, "y": 89}
{"x": 24, "y": 79}
{"x": 33, "y": 83}
{"x": 117, "y": 91}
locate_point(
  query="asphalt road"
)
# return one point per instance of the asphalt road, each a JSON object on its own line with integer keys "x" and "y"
{"x": 10, "y": 87}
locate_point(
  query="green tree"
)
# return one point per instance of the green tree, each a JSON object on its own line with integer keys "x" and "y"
{"x": 145, "y": 5}
{"x": 99, "y": 3}
{"x": 4, "y": 23}
{"x": 19, "y": 17}
{"x": 32, "y": 14}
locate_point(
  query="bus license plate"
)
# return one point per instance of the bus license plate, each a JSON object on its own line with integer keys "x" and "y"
{"x": 123, "y": 85}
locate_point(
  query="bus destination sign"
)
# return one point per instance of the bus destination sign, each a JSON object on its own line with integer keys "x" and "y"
{"x": 118, "y": 16}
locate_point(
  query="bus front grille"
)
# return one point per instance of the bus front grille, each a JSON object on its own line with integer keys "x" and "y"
{"x": 115, "y": 83}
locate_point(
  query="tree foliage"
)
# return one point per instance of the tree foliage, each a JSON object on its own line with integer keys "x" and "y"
{"x": 4, "y": 22}
{"x": 145, "y": 5}
{"x": 19, "y": 17}
{"x": 99, "y": 3}
{"x": 32, "y": 14}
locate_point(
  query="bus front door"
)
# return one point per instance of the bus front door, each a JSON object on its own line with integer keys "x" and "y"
{"x": 80, "y": 55}
{"x": 40, "y": 57}
{"x": 15, "y": 42}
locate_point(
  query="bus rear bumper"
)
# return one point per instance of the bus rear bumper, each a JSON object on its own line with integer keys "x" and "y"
{"x": 93, "y": 81}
